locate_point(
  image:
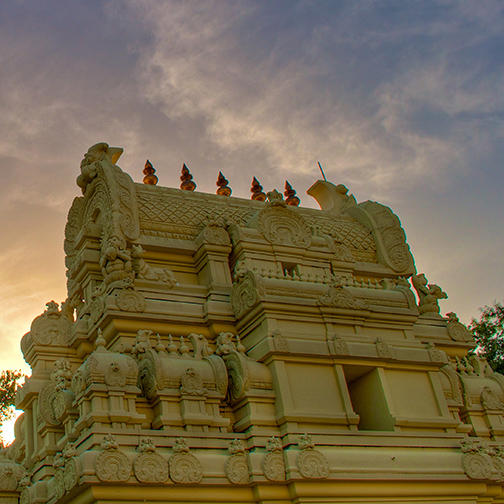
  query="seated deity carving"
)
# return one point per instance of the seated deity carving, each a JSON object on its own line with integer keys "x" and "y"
{"x": 115, "y": 261}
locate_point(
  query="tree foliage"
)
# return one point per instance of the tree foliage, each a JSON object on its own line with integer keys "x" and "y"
{"x": 9, "y": 382}
{"x": 489, "y": 334}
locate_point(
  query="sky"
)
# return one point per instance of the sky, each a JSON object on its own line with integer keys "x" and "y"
{"x": 401, "y": 101}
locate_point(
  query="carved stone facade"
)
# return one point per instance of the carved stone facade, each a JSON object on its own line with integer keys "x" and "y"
{"x": 216, "y": 349}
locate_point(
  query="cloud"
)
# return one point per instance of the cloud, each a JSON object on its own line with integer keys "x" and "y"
{"x": 376, "y": 102}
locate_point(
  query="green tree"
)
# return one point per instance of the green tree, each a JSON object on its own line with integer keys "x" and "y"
{"x": 489, "y": 334}
{"x": 9, "y": 382}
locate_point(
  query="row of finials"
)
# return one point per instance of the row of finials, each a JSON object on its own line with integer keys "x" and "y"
{"x": 223, "y": 188}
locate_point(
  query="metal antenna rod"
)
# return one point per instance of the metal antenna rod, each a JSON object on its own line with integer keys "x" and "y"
{"x": 321, "y": 171}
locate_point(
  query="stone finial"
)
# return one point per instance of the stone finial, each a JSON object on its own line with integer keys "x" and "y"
{"x": 223, "y": 188}
{"x": 290, "y": 195}
{"x": 187, "y": 182}
{"x": 257, "y": 191}
{"x": 149, "y": 171}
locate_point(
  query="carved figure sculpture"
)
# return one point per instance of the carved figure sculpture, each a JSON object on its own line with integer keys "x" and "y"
{"x": 95, "y": 154}
{"x": 428, "y": 294}
{"x": 115, "y": 261}
{"x": 148, "y": 272}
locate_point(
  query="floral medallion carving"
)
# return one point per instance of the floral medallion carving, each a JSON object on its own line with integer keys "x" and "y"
{"x": 482, "y": 462}
{"x": 273, "y": 463}
{"x": 456, "y": 330}
{"x": 130, "y": 300}
{"x": 45, "y": 404}
{"x": 112, "y": 465}
{"x": 184, "y": 467}
{"x": 71, "y": 468}
{"x": 59, "y": 476}
{"x": 311, "y": 463}
{"x": 149, "y": 466}
{"x": 236, "y": 467}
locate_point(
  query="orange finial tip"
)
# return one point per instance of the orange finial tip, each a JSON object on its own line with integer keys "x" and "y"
{"x": 187, "y": 182}
{"x": 223, "y": 188}
{"x": 149, "y": 171}
{"x": 290, "y": 195}
{"x": 257, "y": 191}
